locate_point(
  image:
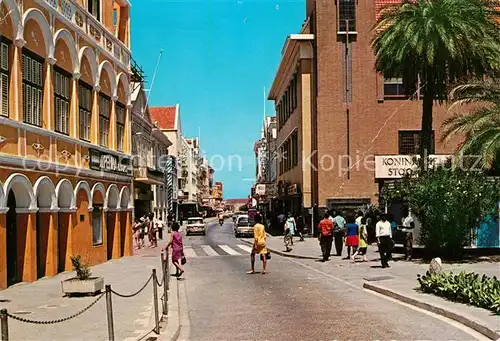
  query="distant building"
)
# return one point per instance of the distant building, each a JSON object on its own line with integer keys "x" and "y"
{"x": 169, "y": 121}
{"x": 218, "y": 193}
{"x": 149, "y": 151}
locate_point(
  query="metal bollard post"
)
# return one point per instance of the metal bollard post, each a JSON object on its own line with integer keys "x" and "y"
{"x": 155, "y": 298}
{"x": 4, "y": 324}
{"x": 109, "y": 310}
{"x": 165, "y": 291}
{"x": 167, "y": 270}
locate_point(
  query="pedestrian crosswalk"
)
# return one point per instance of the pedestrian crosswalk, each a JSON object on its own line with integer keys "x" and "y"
{"x": 214, "y": 251}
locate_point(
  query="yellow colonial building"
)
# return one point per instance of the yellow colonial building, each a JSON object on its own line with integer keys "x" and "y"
{"x": 65, "y": 132}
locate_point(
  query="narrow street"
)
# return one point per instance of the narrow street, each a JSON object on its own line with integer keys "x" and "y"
{"x": 291, "y": 302}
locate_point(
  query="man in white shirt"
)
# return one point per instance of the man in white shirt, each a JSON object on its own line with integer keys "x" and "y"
{"x": 383, "y": 232}
{"x": 408, "y": 226}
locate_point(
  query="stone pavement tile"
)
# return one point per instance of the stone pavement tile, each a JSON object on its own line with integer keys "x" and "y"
{"x": 43, "y": 300}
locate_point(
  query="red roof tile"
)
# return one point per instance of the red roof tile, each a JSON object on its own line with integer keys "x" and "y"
{"x": 164, "y": 116}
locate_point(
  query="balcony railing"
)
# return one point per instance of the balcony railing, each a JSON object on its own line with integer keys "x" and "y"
{"x": 79, "y": 16}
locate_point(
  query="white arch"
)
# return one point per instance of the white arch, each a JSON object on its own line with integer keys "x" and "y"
{"x": 106, "y": 65}
{"x": 92, "y": 59}
{"x": 38, "y": 16}
{"x": 21, "y": 185}
{"x": 64, "y": 194}
{"x": 112, "y": 197}
{"x": 3, "y": 200}
{"x": 124, "y": 198}
{"x": 45, "y": 193}
{"x": 123, "y": 79}
{"x": 82, "y": 185}
{"x": 15, "y": 17}
{"x": 98, "y": 187}
{"x": 70, "y": 42}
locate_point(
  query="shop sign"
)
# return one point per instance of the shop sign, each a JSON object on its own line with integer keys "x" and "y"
{"x": 397, "y": 166}
{"x": 109, "y": 163}
{"x": 293, "y": 189}
{"x": 260, "y": 189}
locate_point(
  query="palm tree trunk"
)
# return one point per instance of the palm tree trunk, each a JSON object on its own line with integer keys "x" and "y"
{"x": 426, "y": 133}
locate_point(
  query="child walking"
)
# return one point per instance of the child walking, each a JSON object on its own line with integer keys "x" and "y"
{"x": 177, "y": 249}
{"x": 363, "y": 241}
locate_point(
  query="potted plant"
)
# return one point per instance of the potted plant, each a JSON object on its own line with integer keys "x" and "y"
{"x": 83, "y": 283}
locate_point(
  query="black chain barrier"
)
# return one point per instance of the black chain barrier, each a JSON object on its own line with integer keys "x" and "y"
{"x": 160, "y": 284}
{"x": 21, "y": 319}
{"x": 136, "y": 293}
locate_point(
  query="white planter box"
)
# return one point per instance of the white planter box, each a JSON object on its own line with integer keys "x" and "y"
{"x": 73, "y": 286}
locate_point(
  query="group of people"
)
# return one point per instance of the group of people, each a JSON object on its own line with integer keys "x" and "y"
{"x": 352, "y": 232}
{"x": 148, "y": 226}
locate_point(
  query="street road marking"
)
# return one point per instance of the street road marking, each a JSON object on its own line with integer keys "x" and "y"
{"x": 189, "y": 252}
{"x": 245, "y": 248}
{"x": 228, "y": 250}
{"x": 209, "y": 251}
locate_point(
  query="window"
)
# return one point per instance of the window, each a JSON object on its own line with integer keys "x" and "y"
{"x": 61, "y": 100}
{"x": 409, "y": 142}
{"x": 85, "y": 110}
{"x": 120, "y": 126}
{"x": 295, "y": 149}
{"x": 94, "y": 7}
{"x": 97, "y": 226}
{"x": 115, "y": 17}
{"x": 4, "y": 79}
{"x": 104, "y": 105}
{"x": 346, "y": 15}
{"x": 393, "y": 87}
{"x": 32, "y": 88}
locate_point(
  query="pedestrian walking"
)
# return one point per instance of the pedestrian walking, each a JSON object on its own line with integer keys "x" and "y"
{"x": 394, "y": 227}
{"x": 383, "y": 232}
{"x": 175, "y": 242}
{"x": 339, "y": 232}
{"x": 300, "y": 227}
{"x": 362, "y": 240}
{"x": 143, "y": 232}
{"x": 137, "y": 234}
{"x": 408, "y": 226}
{"x": 152, "y": 232}
{"x": 351, "y": 236}
{"x": 289, "y": 232}
{"x": 259, "y": 245}
{"x": 325, "y": 228}
{"x": 159, "y": 227}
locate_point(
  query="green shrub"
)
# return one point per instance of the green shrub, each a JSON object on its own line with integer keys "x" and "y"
{"x": 81, "y": 268}
{"x": 469, "y": 288}
{"x": 450, "y": 205}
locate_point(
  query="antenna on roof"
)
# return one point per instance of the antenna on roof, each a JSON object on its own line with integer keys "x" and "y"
{"x": 153, "y": 79}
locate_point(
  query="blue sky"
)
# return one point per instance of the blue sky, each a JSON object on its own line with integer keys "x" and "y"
{"x": 217, "y": 58}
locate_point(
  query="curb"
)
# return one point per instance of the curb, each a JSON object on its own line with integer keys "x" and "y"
{"x": 173, "y": 327}
{"x": 282, "y": 253}
{"x": 470, "y": 322}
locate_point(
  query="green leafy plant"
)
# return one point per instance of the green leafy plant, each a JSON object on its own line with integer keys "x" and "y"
{"x": 450, "y": 205}
{"x": 82, "y": 269}
{"x": 469, "y": 288}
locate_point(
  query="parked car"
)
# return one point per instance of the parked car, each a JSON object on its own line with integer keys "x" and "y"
{"x": 196, "y": 225}
{"x": 243, "y": 227}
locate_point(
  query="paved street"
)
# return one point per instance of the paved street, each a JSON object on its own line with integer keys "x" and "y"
{"x": 296, "y": 300}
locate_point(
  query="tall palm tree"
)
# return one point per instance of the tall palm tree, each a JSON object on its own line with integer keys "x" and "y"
{"x": 439, "y": 43}
{"x": 481, "y": 125}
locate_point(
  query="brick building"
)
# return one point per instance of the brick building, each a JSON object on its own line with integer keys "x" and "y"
{"x": 65, "y": 135}
{"x": 336, "y": 113}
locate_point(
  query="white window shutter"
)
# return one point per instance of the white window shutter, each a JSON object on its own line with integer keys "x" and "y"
{"x": 4, "y": 98}
{"x": 4, "y": 56}
{"x": 40, "y": 103}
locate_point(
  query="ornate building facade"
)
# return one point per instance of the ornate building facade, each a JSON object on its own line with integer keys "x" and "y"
{"x": 65, "y": 141}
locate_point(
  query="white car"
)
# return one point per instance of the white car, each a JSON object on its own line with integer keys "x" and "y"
{"x": 196, "y": 225}
{"x": 242, "y": 226}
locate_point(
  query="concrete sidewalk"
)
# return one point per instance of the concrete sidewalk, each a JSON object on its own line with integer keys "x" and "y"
{"x": 398, "y": 282}
{"x": 43, "y": 300}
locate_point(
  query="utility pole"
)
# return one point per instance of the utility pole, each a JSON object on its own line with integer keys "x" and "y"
{"x": 347, "y": 94}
